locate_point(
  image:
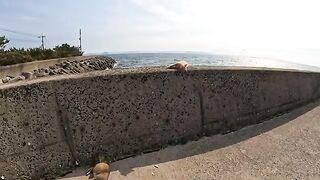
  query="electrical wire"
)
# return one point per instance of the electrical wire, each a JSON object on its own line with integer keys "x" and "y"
{"x": 17, "y": 32}
{"x": 23, "y": 40}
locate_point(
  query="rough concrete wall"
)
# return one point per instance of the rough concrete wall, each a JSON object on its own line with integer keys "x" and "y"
{"x": 31, "y": 138}
{"x": 17, "y": 69}
{"x": 233, "y": 99}
{"x": 125, "y": 112}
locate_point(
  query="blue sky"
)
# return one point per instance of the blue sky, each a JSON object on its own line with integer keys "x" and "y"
{"x": 250, "y": 27}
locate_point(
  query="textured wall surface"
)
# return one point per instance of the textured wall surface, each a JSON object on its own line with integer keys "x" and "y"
{"x": 31, "y": 138}
{"x": 48, "y": 124}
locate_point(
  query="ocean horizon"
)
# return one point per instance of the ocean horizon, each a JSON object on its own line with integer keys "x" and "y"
{"x": 164, "y": 58}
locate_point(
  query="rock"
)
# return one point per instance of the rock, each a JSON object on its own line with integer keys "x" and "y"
{"x": 18, "y": 78}
{"x": 64, "y": 71}
{"x": 6, "y": 79}
{"x": 66, "y": 65}
{"x": 52, "y": 72}
{"x": 27, "y": 75}
{"x": 76, "y": 70}
{"x": 39, "y": 74}
{"x": 59, "y": 71}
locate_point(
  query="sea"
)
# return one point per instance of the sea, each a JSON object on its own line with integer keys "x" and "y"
{"x": 128, "y": 60}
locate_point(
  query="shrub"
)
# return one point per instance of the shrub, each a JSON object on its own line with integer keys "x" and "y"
{"x": 15, "y": 56}
{"x": 65, "y": 50}
{"x": 9, "y": 58}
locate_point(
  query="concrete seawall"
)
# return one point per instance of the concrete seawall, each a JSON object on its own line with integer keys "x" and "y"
{"x": 47, "y": 124}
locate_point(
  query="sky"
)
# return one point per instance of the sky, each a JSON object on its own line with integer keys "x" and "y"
{"x": 271, "y": 28}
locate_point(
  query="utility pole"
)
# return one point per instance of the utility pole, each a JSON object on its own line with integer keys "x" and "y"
{"x": 42, "y": 42}
{"x": 80, "y": 47}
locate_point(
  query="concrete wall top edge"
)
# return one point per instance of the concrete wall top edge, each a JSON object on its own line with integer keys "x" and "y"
{"x": 146, "y": 70}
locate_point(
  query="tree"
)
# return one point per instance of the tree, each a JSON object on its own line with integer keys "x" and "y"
{"x": 65, "y": 50}
{"x": 3, "y": 42}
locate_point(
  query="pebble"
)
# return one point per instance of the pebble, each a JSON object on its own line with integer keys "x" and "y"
{"x": 7, "y": 80}
{"x": 2, "y": 177}
{"x": 156, "y": 166}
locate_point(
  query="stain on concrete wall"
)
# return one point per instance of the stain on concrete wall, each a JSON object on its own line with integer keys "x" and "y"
{"x": 128, "y": 111}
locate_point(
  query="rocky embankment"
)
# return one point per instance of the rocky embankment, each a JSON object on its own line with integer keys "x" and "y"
{"x": 95, "y": 63}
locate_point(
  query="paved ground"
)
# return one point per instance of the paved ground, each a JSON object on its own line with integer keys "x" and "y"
{"x": 286, "y": 147}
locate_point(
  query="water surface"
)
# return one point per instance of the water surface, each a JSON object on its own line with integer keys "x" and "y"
{"x": 126, "y": 60}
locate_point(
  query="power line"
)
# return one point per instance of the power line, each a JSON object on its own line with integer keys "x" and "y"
{"x": 17, "y": 32}
{"x": 22, "y": 40}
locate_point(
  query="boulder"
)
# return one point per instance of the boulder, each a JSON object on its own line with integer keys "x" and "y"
{"x": 18, "y": 78}
{"x": 6, "y": 79}
{"x": 27, "y": 75}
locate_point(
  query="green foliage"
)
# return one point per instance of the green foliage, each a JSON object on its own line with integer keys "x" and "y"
{"x": 39, "y": 54}
{"x": 15, "y": 56}
{"x": 9, "y": 58}
{"x": 65, "y": 50}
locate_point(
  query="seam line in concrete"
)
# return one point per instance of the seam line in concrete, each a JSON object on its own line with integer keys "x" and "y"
{"x": 201, "y": 108}
{"x": 65, "y": 129}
